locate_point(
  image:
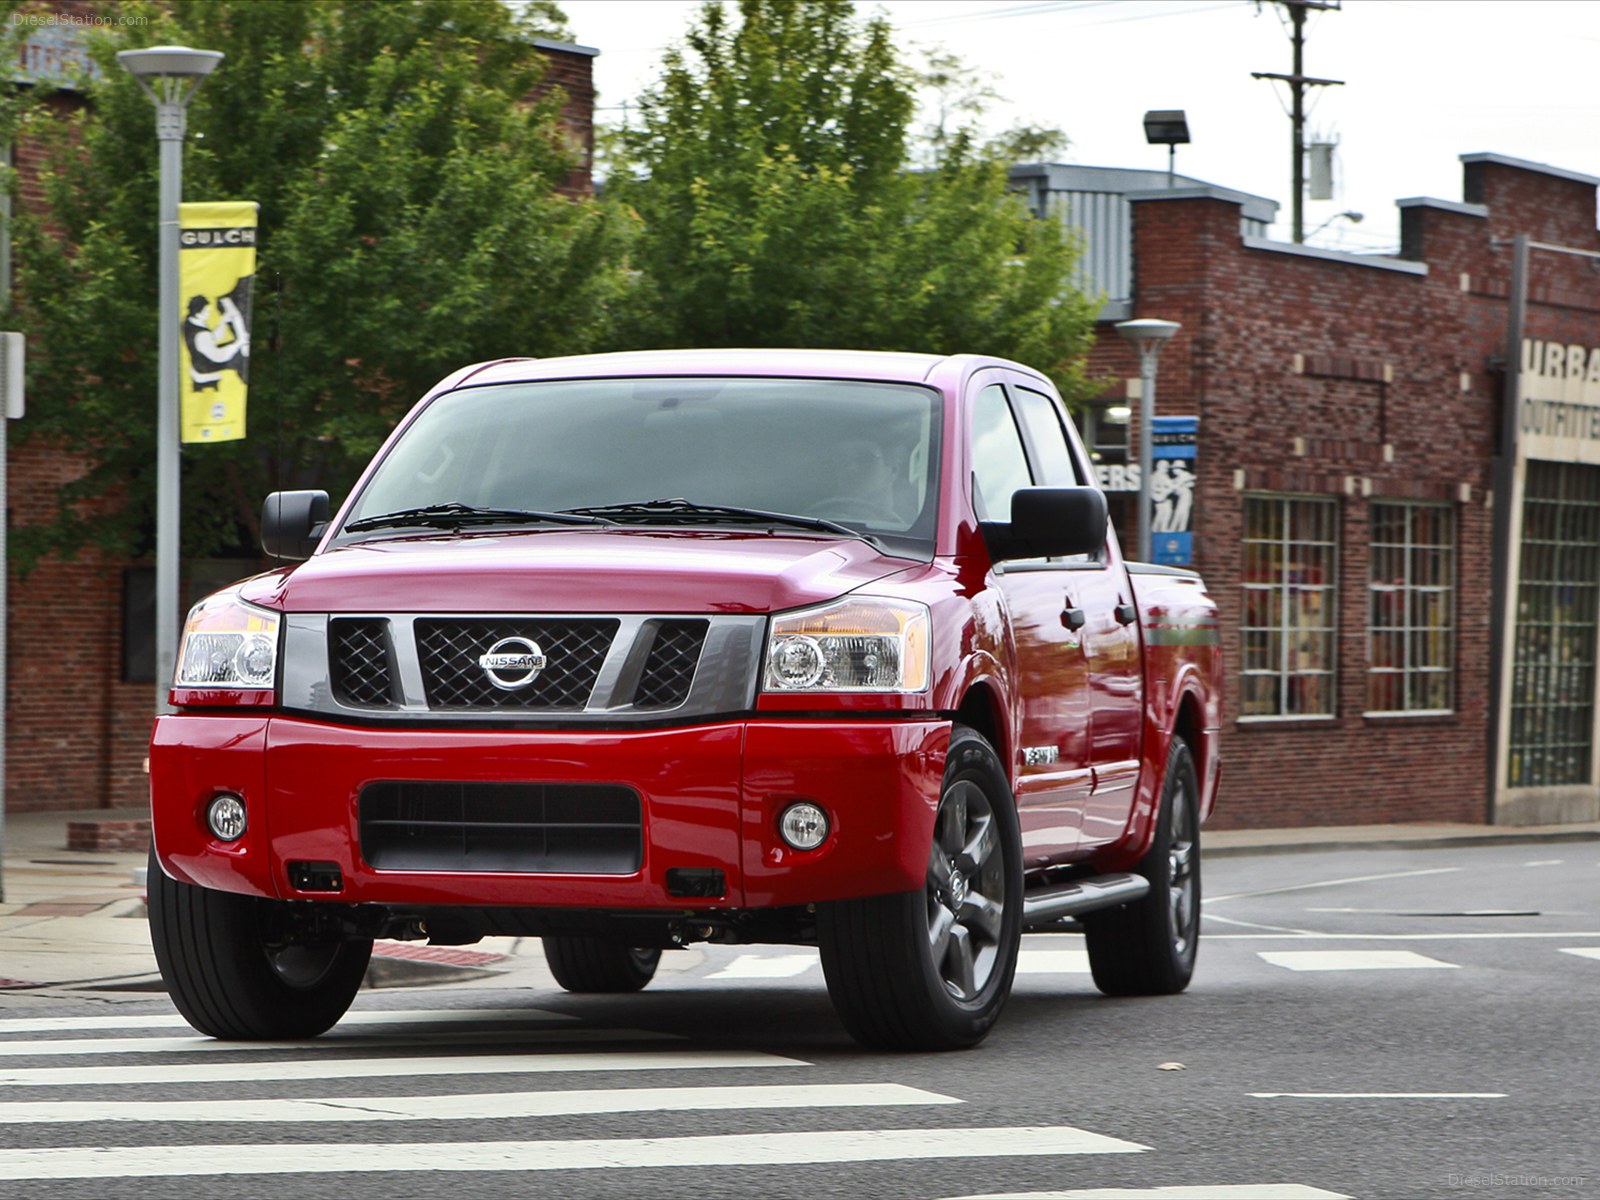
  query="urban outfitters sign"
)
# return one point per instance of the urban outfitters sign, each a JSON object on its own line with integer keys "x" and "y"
{"x": 1560, "y": 414}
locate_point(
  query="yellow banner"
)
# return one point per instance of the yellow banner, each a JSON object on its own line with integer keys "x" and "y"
{"x": 216, "y": 271}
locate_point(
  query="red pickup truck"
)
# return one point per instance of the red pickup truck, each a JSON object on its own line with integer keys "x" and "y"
{"x": 633, "y": 651}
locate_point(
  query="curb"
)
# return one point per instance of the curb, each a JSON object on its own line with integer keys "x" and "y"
{"x": 1418, "y": 842}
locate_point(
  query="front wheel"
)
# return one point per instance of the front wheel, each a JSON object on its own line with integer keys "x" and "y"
{"x": 932, "y": 968}
{"x": 1147, "y": 948}
{"x": 244, "y": 968}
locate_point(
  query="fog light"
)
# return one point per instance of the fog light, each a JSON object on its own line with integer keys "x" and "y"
{"x": 804, "y": 826}
{"x": 225, "y": 816}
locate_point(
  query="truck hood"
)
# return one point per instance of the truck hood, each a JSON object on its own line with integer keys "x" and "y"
{"x": 628, "y": 570}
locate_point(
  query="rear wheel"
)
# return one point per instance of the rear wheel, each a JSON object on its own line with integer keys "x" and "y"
{"x": 1148, "y": 948}
{"x": 587, "y": 964}
{"x": 931, "y": 969}
{"x": 240, "y": 967}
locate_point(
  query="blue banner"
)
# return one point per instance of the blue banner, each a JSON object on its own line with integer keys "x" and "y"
{"x": 1174, "y": 443}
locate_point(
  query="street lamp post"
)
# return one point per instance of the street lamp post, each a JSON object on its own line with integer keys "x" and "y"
{"x": 170, "y": 76}
{"x": 1147, "y": 335}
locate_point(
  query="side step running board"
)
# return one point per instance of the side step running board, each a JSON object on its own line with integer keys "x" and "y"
{"x": 1081, "y": 896}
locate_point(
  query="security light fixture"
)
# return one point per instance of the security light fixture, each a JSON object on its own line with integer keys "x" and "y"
{"x": 1167, "y": 127}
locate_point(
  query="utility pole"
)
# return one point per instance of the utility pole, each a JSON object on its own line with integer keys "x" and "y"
{"x": 1298, "y": 82}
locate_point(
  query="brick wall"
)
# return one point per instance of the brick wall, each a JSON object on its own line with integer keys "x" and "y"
{"x": 1353, "y": 382}
{"x": 571, "y": 69}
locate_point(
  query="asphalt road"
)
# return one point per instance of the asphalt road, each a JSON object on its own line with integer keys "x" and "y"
{"x": 1383, "y": 1023}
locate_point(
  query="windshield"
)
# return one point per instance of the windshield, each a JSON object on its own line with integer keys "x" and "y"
{"x": 859, "y": 455}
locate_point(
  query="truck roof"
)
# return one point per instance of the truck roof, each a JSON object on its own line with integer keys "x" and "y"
{"x": 842, "y": 364}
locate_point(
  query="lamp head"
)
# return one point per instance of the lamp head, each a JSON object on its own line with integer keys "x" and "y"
{"x": 1147, "y": 329}
{"x": 158, "y": 62}
{"x": 1166, "y": 127}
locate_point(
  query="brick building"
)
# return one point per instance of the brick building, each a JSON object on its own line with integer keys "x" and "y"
{"x": 79, "y": 633}
{"x": 1350, "y": 422}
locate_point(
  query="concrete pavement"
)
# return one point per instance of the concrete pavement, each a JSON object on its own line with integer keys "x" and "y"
{"x": 72, "y": 922}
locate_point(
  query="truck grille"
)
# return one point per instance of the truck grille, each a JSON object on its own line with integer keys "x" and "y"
{"x": 362, "y": 673}
{"x": 525, "y": 828}
{"x": 669, "y": 670}
{"x": 449, "y": 651}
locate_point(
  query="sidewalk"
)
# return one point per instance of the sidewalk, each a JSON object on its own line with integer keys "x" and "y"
{"x": 73, "y": 920}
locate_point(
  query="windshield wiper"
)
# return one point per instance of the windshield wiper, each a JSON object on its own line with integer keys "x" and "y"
{"x": 454, "y": 515}
{"x": 688, "y": 512}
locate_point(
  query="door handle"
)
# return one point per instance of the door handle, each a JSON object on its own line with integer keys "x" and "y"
{"x": 1126, "y": 614}
{"x": 1073, "y": 618}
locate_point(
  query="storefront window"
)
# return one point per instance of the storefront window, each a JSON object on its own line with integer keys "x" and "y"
{"x": 1411, "y": 625}
{"x": 1552, "y": 680}
{"x": 1290, "y": 577}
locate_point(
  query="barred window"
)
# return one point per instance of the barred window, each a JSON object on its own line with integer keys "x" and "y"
{"x": 1411, "y": 594}
{"x": 1558, "y": 602}
{"x": 1290, "y": 580}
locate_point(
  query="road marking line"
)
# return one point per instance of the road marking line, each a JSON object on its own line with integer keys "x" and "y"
{"x": 376, "y": 1068}
{"x": 473, "y": 1106}
{"x": 408, "y": 1016}
{"x": 1583, "y": 951}
{"x": 1545, "y": 862}
{"x": 1242, "y": 1191}
{"x": 1053, "y": 962}
{"x": 1379, "y": 1095}
{"x": 1298, "y": 936}
{"x": 771, "y": 966}
{"x": 722, "y": 1150}
{"x": 199, "y": 1044}
{"x": 1355, "y": 960}
{"x": 1301, "y": 887}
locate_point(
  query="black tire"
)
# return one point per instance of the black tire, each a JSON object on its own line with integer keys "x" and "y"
{"x": 587, "y": 964}
{"x": 931, "y": 969}
{"x": 234, "y": 974}
{"x": 1148, "y": 948}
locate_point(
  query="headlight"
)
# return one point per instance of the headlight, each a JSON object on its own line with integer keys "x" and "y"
{"x": 228, "y": 644}
{"x": 853, "y": 645}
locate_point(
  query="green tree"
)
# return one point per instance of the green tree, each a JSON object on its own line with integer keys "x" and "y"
{"x": 771, "y": 168}
{"x": 409, "y": 224}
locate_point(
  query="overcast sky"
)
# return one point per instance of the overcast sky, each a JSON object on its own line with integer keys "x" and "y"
{"x": 1424, "y": 82}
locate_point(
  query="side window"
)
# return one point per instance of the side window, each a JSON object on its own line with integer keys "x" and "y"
{"x": 999, "y": 463}
{"x": 1043, "y": 421}
{"x": 1049, "y": 438}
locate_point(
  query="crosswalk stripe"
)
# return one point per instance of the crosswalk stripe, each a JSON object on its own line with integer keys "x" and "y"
{"x": 1355, "y": 960}
{"x": 199, "y": 1044}
{"x": 474, "y": 1107}
{"x": 374, "y": 1068}
{"x": 720, "y": 1150}
{"x": 1243, "y": 1191}
{"x": 417, "y": 1016}
{"x": 769, "y": 966}
{"x": 1053, "y": 962}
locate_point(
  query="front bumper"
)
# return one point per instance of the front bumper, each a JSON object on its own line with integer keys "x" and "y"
{"x": 710, "y": 798}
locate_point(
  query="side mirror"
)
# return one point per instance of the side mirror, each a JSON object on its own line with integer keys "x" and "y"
{"x": 292, "y": 523}
{"x": 1049, "y": 522}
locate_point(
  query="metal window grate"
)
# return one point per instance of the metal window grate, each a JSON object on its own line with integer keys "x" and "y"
{"x": 1291, "y": 557}
{"x": 449, "y": 650}
{"x": 1552, "y": 679}
{"x": 527, "y": 828}
{"x": 363, "y": 672}
{"x": 669, "y": 669}
{"x": 1411, "y": 605}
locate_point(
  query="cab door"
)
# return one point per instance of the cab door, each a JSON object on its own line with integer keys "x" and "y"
{"x": 1052, "y": 676}
{"x": 1108, "y": 640}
